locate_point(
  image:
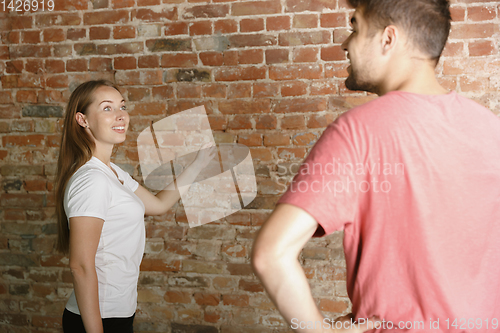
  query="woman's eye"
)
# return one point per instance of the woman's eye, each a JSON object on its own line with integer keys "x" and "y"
{"x": 124, "y": 108}
{"x": 107, "y": 108}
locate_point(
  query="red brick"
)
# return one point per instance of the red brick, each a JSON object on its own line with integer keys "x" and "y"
{"x": 179, "y": 60}
{"x": 34, "y": 66}
{"x": 276, "y": 139}
{"x": 211, "y": 317}
{"x": 266, "y": 122}
{"x": 252, "y": 56}
{"x": 214, "y": 90}
{"x": 305, "y": 139}
{"x": 305, "y": 21}
{"x": 454, "y": 50}
{"x": 76, "y": 65}
{"x": 305, "y": 54}
{"x": 481, "y": 48}
{"x": 125, "y": 63}
{"x": 188, "y": 90}
{"x": 300, "y": 105}
{"x": 123, "y": 32}
{"x": 239, "y": 90}
{"x": 293, "y": 122}
{"x": 261, "y": 154}
{"x": 277, "y": 23}
{"x": 327, "y": 87}
{"x": 176, "y": 28}
{"x": 217, "y": 123}
{"x": 57, "y": 81}
{"x": 145, "y": 3}
{"x": 276, "y": 56}
{"x": 251, "y": 139}
{"x": 245, "y": 106}
{"x": 256, "y": 8}
{"x": 149, "y": 61}
{"x": 122, "y": 3}
{"x": 206, "y": 299}
{"x": 30, "y": 51}
{"x": 50, "y": 20}
{"x": 47, "y": 321}
{"x": 54, "y": 66}
{"x": 212, "y": 58}
{"x": 20, "y": 22}
{"x": 31, "y": 81}
{"x": 240, "y": 73}
{"x": 481, "y": 13}
{"x": 293, "y": 72}
{"x": 239, "y": 122}
{"x": 333, "y": 20}
{"x": 15, "y": 66}
{"x": 100, "y": 64}
{"x": 26, "y": 96}
{"x": 173, "y": 296}
{"x": 235, "y": 300}
{"x": 304, "y": 38}
{"x": 160, "y": 265}
{"x": 457, "y": 13}
{"x": 6, "y": 97}
{"x": 291, "y": 154}
{"x": 338, "y": 70}
{"x": 225, "y": 26}
{"x": 70, "y": 5}
{"x": 265, "y": 89}
{"x": 467, "y": 31}
{"x": 76, "y": 34}
{"x": 99, "y": 33}
{"x": 473, "y": 84}
{"x": 206, "y": 11}
{"x": 312, "y": 5}
{"x": 53, "y": 35}
{"x": 340, "y": 35}
{"x": 293, "y": 88}
{"x": 252, "y": 40}
{"x": 137, "y": 94}
{"x": 200, "y": 28}
{"x": 149, "y": 15}
{"x": 12, "y": 37}
{"x": 230, "y": 58}
{"x": 251, "y": 25}
{"x": 163, "y": 92}
{"x": 106, "y": 17}
{"x": 332, "y": 53}
{"x": 30, "y": 37}
{"x": 149, "y": 109}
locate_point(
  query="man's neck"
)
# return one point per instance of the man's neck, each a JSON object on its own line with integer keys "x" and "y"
{"x": 416, "y": 77}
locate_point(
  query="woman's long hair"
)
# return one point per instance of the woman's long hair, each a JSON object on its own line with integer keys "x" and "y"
{"x": 76, "y": 149}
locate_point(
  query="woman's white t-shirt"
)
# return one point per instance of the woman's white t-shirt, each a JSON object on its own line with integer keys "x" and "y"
{"x": 94, "y": 191}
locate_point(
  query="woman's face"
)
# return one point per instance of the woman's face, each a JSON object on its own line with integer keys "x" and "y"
{"x": 106, "y": 117}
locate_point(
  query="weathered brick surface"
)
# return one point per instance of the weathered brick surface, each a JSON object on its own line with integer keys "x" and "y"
{"x": 271, "y": 76}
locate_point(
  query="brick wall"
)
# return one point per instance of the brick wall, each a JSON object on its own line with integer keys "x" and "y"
{"x": 271, "y": 76}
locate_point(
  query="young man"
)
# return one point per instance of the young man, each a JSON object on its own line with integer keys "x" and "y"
{"x": 413, "y": 179}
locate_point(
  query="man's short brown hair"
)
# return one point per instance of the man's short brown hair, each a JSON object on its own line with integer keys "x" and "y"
{"x": 426, "y": 22}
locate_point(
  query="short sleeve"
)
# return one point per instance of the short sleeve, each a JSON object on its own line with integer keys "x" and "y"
{"x": 89, "y": 194}
{"x": 325, "y": 185}
{"x": 128, "y": 181}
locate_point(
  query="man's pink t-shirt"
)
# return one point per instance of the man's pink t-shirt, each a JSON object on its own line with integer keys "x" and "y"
{"x": 414, "y": 182}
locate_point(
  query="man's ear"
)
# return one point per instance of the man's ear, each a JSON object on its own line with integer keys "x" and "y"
{"x": 390, "y": 38}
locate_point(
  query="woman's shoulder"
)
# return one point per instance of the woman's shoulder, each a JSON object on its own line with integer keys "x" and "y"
{"x": 90, "y": 173}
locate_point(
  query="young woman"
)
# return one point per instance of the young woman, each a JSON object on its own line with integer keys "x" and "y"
{"x": 100, "y": 211}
